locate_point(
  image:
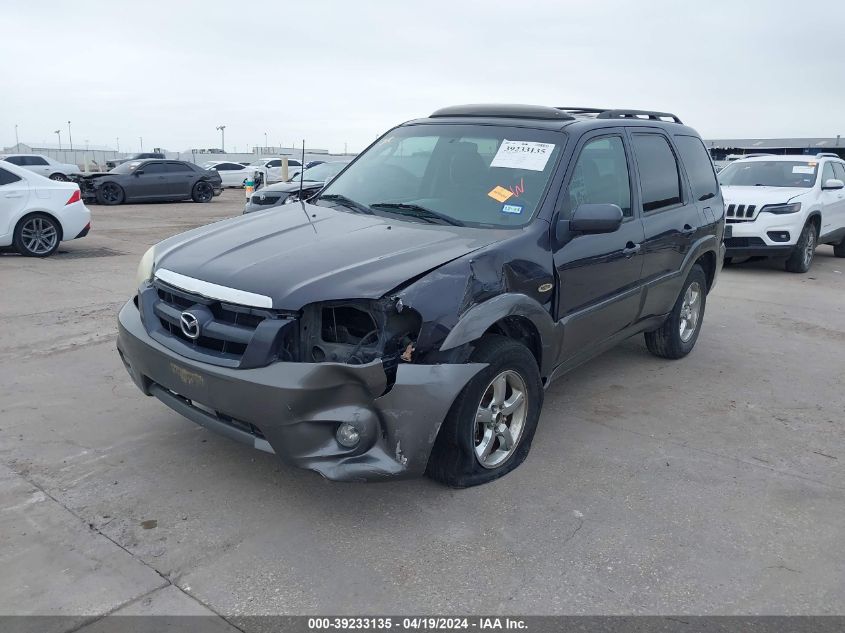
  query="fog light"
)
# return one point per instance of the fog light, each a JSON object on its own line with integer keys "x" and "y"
{"x": 347, "y": 435}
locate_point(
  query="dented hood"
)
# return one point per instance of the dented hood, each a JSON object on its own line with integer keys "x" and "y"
{"x": 335, "y": 255}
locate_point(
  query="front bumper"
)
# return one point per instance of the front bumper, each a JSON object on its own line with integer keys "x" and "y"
{"x": 752, "y": 239}
{"x": 293, "y": 409}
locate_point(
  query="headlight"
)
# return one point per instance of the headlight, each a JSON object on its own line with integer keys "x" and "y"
{"x": 781, "y": 209}
{"x": 145, "y": 267}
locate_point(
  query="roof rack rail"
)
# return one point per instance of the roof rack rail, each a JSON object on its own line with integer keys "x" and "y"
{"x": 827, "y": 155}
{"x": 638, "y": 114}
{"x": 578, "y": 110}
{"x": 755, "y": 155}
{"x": 506, "y": 110}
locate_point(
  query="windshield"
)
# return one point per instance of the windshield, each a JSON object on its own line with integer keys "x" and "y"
{"x": 321, "y": 172}
{"x": 769, "y": 173}
{"x": 478, "y": 175}
{"x": 127, "y": 167}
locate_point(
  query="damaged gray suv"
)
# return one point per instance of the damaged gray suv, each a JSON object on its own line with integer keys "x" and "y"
{"x": 408, "y": 317}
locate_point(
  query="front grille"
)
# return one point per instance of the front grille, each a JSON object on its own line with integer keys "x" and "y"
{"x": 230, "y": 335}
{"x": 740, "y": 213}
{"x": 267, "y": 199}
{"x": 744, "y": 242}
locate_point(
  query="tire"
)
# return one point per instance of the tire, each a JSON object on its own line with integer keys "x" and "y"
{"x": 728, "y": 261}
{"x": 455, "y": 459}
{"x": 839, "y": 249}
{"x": 60, "y": 177}
{"x": 802, "y": 256}
{"x": 678, "y": 334}
{"x": 37, "y": 235}
{"x": 202, "y": 192}
{"x": 110, "y": 193}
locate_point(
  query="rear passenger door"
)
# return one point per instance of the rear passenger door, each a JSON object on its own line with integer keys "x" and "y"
{"x": 671, "y": 219}
{"x": 838, "y": 216}
{"x": 599, "y": 274}
{"x": 179, "y": 179}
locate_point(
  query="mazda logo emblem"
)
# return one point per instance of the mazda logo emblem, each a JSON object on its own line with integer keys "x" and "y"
{"x": 190, "y": 325}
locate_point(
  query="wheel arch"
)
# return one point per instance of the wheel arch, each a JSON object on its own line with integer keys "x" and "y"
{"x": 30, "y": 212}
{"x": 815, "y": 216}
{"x": 516, "y": 316}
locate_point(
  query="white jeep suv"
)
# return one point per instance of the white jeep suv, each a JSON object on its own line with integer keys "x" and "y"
{"x": 784, "y": 206}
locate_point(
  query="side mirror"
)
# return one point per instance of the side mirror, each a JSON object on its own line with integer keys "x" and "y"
{"x": 833, "y": 183}
{"x": 138, "y": 172}
{"x": 595, "y": 218}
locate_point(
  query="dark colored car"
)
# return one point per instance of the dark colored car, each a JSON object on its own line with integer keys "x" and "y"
{"x": 409, "y": 318}
{"x": 313, "y": 179}
{"x": 151, "y": 180}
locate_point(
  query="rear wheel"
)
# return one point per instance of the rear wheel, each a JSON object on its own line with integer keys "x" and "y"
{"x": 37, "y": 235}
{"x": 60, "y": 177}
{"x": 202, "y": 192}
{"x": 488, "y": 431}
{"x": 805, "y": 250}
{"x": 110, "y": 193}
{"x": 678, "y": 334}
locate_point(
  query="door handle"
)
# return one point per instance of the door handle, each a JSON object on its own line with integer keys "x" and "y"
{"x": 631, "y": 249}
{"x": 688, "y": 230}
{"x": 14, "y": 195}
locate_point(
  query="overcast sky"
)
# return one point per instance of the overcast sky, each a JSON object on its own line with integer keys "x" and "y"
{"x": 336, "y": 72}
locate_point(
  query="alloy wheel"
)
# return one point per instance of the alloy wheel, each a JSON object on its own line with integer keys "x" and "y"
{"x": 500, "y": 419}
{"x": 690, "y": 311}
{"x": 39, "y": 235}
{"x": 809, "y": 247}
{"x": 204, "y": 191}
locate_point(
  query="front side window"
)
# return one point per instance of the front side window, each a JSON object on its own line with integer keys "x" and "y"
{"x": 827, "y": 172}
{"x": 478, "y": 175}
{"x": 770, "y": 173}
{"x": 839, "y": 171}
{"x": 659, "y": 178}
{"x": 699, "y": 167}
{"x": 154, "y": 168}
{"x": 7, "y": 177}
{"x": 17, "y": 160}
{"x": 601, "y": 176}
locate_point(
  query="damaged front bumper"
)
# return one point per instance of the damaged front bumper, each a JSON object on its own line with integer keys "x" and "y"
{"x": 293, "y": 409}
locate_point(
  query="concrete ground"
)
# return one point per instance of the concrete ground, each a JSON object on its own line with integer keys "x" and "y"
{"x": 711, "y": 485}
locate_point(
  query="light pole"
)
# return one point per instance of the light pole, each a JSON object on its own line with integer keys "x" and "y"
{"x": 141, "y": 138}
{"x": 59, "y": 134}
{"x": 17, "y": 142}
{"x": 222, "y": 129}
{"x": 265, "y": 141}
{"x": 118, "y": 143}
{"x": 69, "y": 137}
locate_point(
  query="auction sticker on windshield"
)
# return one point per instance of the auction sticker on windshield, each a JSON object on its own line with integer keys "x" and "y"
{"x": 523, "y": 155}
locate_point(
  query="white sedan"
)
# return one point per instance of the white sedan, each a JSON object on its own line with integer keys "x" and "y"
{"x": 43, "y": 165}
{"x": 271, "y": 168}
{"x": 37, "y": 213}
{"x": 232, "y": 174}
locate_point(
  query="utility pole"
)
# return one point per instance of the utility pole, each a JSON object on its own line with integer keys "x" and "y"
{"x": 118, "y": 143}
{"x": 59, "y": 134}
{"x": 222, "y": 129}
{"x": 69, "y": 137}
{"x": 265, "y": 141}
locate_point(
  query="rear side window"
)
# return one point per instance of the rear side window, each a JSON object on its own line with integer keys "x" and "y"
{"x": 659, "y": 178}
{"x": 37, "y": 160}
{"x": 7, "y": 177}
{"x": 177, "y": 167}
{"x": 601, "y": 175}
{"x": 699, "y": 167}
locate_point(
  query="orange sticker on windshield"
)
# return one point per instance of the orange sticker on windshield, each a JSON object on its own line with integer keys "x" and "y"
{"x": 500, "y": 194}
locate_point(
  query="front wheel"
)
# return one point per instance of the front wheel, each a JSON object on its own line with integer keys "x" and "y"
{"x": 678, "y": 334}
{"x": 488, "y": 430}
{"x": 202, "y": 192}
{"x": 110, "y": 193}
{"x": 805, "y": 250}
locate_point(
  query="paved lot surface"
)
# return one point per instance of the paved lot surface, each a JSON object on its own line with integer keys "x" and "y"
{"x": 710, "y": 485}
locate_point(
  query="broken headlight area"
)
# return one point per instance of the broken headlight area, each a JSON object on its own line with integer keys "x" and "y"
{"x": 358, "y": 332}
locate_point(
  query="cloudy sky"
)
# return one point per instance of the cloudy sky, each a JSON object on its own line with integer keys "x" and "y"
{"x": 342, "y": 71}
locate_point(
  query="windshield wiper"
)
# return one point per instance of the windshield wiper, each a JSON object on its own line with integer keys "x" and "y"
{"x": 346, "y": 202}
{"x": 415, "y": 210}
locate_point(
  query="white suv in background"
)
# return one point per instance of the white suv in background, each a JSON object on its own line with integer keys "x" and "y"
{"x": 43, "y": 166}
{"x": 784, "y": 206}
